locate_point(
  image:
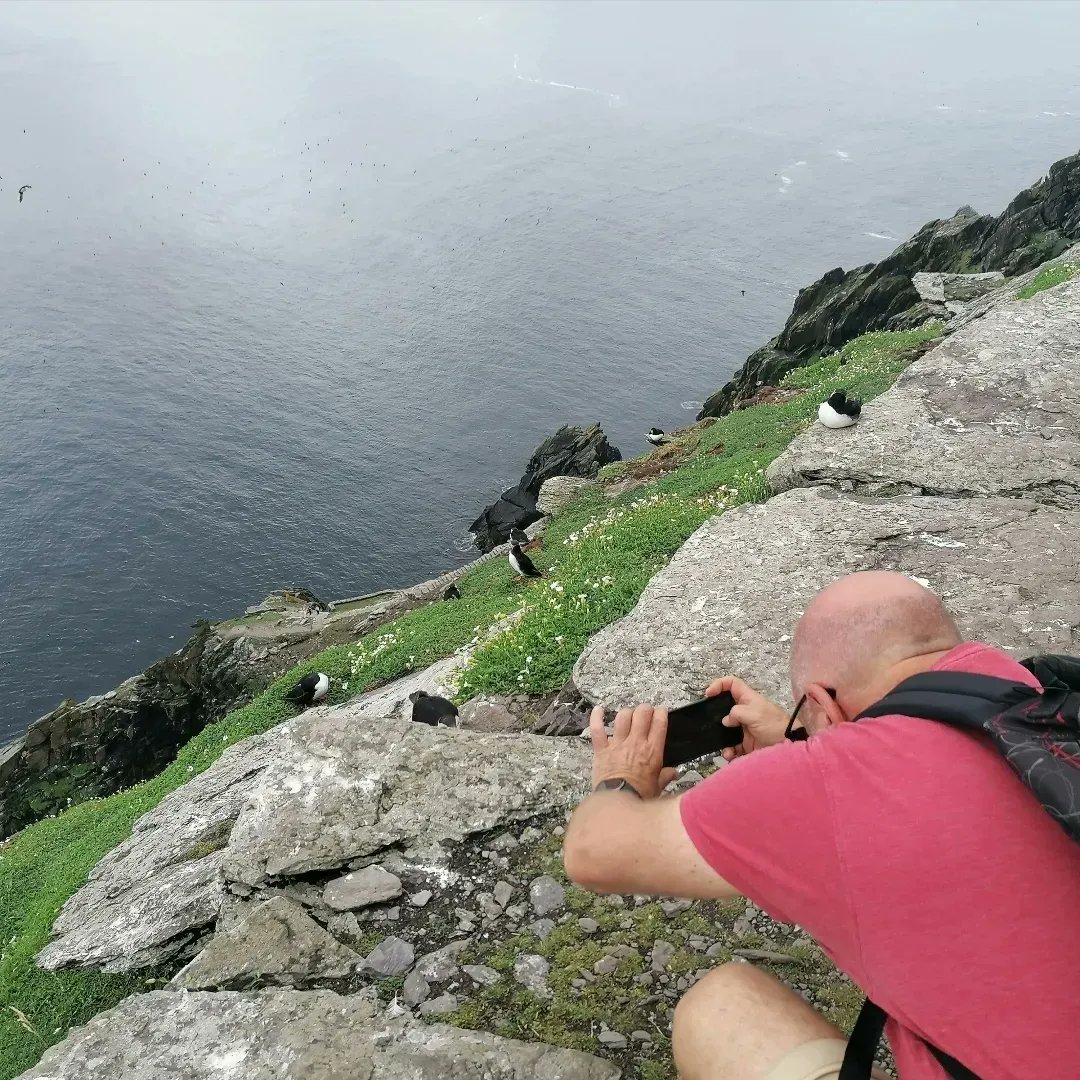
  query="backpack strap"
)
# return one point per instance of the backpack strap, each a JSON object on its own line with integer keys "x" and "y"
{"x": 865, "y": 1037}
{"x": 960, "y": 698}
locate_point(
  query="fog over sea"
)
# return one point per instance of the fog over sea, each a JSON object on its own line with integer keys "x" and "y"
{"x": 297, "y": 289}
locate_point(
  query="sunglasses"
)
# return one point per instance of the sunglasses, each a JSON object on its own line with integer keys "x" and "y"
{"x": 800, "y": 734}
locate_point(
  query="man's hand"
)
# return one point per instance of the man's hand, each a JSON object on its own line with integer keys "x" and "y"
{"x": 763, "y": 721}
{"x": 635, "y": 752}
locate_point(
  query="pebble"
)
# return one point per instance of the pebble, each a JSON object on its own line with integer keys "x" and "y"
{"x": 640, "y": 1036}
{"x": 742, "y": 927}
{"x": 482, "y": 974}
{"x": 698, "y": 944}
{"x": 673, "y": 907}
{"x": 440, "y": 1006}
{"x": 558, "y": 831}
{"x": 606, "y": 965}
{"x": 441, "y": 965}
{"x": 393, "y": 914}
{"x": 371, "y": 885}
{"x": 689, "y": 778}
{"x": 542, "y": 928}
{"x": 716, "y": 950}
{"x": 530, "y": 835}
{"x": 546, "y": 895}
{"x": 488, "y": 906}
{"x": 612, "y": 1040}
{"x": 502, "y": 892}
{"x": 532, "y": 972}
{"x": 390, "y": 958}
{"x": 421, "y": 899}
{"x": 588, "y": 926}
{"x": 504, "y": 842}
{"x": 646, "y": 978}
{"x": 416, "y": 989}
{"x": 662, "y": 952}
{"x": 515, "y": 912}
{"x": 626, "y": 924}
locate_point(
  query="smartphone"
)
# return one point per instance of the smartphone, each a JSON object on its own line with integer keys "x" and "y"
{"x": 695, "y": 730}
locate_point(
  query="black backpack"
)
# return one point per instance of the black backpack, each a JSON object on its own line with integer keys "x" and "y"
{"x": 1038, "y": 734}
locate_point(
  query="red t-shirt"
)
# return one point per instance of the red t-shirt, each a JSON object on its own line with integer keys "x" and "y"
{"x": 926, "y": 870}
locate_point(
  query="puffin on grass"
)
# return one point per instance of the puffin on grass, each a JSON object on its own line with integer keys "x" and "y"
{"x": 839, "y": 411}
{"x": 655, "y": 436}
{"x": 309, "y": 690}
{"x": 521, "y": 564}
{"x": 433, "y": 710}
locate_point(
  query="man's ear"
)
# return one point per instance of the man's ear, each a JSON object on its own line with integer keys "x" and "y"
{"x": 830, "y": 710}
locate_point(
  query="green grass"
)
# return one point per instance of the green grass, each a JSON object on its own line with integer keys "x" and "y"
{"x": 1047, "y": 279}
{"x": 585, "y": 588}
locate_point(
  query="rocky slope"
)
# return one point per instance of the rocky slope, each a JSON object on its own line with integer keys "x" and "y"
{"x": 326, "y": 887}
{"x": 1040, "y": 223}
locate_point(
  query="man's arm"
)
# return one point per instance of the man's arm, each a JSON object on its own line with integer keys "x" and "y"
{"x": 618, "y": 842}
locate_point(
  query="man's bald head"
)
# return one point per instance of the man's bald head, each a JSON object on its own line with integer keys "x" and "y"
{"x": 862, "y": 626}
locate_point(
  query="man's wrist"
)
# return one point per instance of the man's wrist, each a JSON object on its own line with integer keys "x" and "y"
{"x": 617, "y": 784}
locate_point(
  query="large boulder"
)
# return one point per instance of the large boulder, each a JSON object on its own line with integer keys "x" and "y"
{"x": 992, "y": 410}
{"x": 1036, "y": 226}
{"x": 571, "y": 451}
{"x": 728, "y": 601}
{"x": 939, "y": 288}
{"x": 291, "y": 1035}
{"x": 325, "y": 791}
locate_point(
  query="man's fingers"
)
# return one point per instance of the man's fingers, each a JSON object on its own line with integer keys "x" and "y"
{"x": 732, "y": 685}
{"x": 719, "y": 686}
{"x": 597, "y": 734}
{"x": 623, "y": 721}
{"x": 666, "y": 776}
{"x": 641, "y": 720}
{"x": 657, "y": 733}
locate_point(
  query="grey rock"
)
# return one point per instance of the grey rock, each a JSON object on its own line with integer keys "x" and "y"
{"x": 766, "y": 955}
{"x": 440, "y": 1006}
{"x": 558, "y": 492}
{"x": 502, "y": 893}
{"x": 371, "y": 885}
{"x": 673, "y": 907}
{"x": 345, "y": 927}
{"x": 969, "y": 417}
{"x": 480, "y": 973}
{"x": 640, "y": 1036}
{"x": 530, "y": 834}
{"x": 292, "y": 1035}
{"x": 660, "y": 957}
{"x": 944, "y": 287}
{"x": 390, "y": 958}
{"x": 1004, "y": 567}
{"x": 144, "y": 902}
{"x": 277, "y": 942}
{"x": 546, "y": 895}
{"x": 421, "y": 899}
{"x": 415, "y": 989}
{"x": 441, "y": 965}
{"x": 588, "y": 926}
{"x": 532, "y": 972}
{"x": 612, "y": 1040}
{"x": 606, "y": 965}
{"x": 542, "y": 928}
{"x": 489, "y": 714}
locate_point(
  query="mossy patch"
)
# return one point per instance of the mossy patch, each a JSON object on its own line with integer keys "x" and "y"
{"x": 1047, "y": 279}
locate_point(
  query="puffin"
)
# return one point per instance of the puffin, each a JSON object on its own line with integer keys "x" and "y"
{"x": 839, "y": 411}
{"x": 518, "y": 536}
{"x": 655, "y": 436}
{"x": 433, "y": 710}
{"x": 309, "y": 690}
{"x": 521, "y": 564}
{"x": 23, "y": 190}
{"x": 451, "y": 592}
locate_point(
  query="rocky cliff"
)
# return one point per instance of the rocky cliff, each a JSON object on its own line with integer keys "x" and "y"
{"x": 325, "y": 889}
{"x": 1040, "y": 223}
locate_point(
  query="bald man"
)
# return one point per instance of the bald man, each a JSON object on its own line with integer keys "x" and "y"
{"x": 906, "y": 848}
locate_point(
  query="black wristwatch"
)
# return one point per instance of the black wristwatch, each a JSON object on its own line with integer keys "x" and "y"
{"x": 617, "y": 785}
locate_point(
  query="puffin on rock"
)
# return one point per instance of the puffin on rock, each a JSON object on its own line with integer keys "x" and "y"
{"x": 655, "y": 436}
{"x": 839, "y": 411}
{"x": 433, "y": 710}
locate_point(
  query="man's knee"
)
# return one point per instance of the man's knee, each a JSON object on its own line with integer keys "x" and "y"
{"x": 710, "y": 998}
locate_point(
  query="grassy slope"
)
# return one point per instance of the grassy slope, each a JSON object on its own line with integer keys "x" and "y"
{"x": 585, "y": 589}
{"x": 1047, "y": 279}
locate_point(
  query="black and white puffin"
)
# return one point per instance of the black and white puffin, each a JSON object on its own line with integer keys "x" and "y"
{"x": 655, "y": 436}
{"x": 309, "y": 690}
{"x": 518, "y": 536}
{"x": 521, "y": 564}
{"x": 433, "y": 710}
{"x": 839, "y": 411}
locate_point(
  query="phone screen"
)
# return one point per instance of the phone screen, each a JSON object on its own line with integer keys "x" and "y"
{"x": 695, "y": 730}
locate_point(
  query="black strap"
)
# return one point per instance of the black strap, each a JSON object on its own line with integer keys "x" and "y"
{"x": 959, "y": 698}
{"x": 865, "y": 1037}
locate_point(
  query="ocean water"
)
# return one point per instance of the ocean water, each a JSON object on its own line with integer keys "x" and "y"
{"x": 296, "y": 289}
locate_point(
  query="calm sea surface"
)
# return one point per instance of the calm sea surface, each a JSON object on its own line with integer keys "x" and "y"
{"x": 297, "y": 289}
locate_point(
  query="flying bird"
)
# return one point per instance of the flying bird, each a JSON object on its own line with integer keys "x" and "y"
{"x": 839, "y": 411}
{"x": 23, "y": 190}
{"x": 655, "y": 436}
{"x": 309, "y": 690}
{"x": 521, "y": 564}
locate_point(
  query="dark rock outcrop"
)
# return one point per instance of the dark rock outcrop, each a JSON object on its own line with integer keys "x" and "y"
{"x": 571, "y": 451}
{"x": 1037, "y": 225}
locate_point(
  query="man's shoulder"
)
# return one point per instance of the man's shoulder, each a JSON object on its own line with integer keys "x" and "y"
{"x": 978, "y": 658}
